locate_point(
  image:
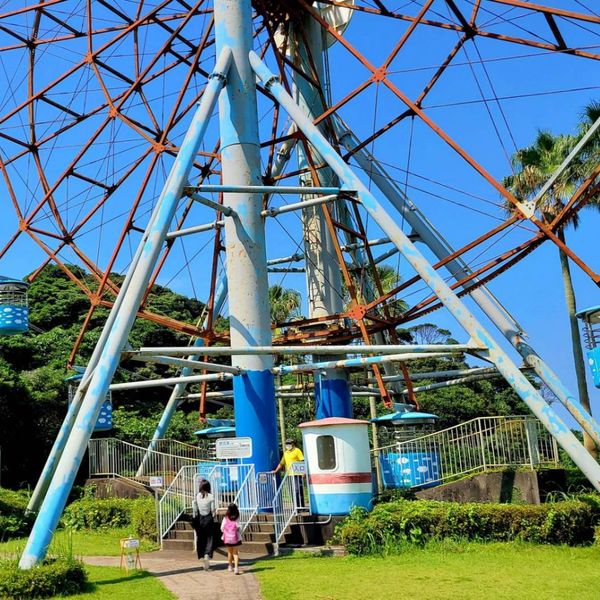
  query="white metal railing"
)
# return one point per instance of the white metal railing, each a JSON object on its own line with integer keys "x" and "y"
{"x": 177, "y": 499}
{"x": 169, "y": 446}
{"x": 290, "y": 498}
{"x": 477, "y": 445}
{"x": 226, "y": 481}
{"x": 247, "y": 499}
{"x": 109, "y": 457}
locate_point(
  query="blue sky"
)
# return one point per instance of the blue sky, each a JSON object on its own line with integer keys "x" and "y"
{"x": 534, "y": 90}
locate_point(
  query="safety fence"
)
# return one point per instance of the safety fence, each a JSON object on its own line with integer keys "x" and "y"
{"x": 177, "y": 499}
{"x": 290, "y": 499}
{"x": 266, "y": 488}
{"x": 109, "y": 457}
{"x": 169, "y": 446}
{"x": 230, "y": 483}
{"x": 477, "y": 445}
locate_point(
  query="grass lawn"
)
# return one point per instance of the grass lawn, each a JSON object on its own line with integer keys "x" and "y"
{"x": 444, "y": 571}
{"x": 84, "y": 543}
{"x": 111, "y": 583}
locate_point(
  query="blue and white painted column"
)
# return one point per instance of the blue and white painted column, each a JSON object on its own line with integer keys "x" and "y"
{"x": 119, "y": 324}
{"x": 249, "y": 317}
{"x": 323, "y": 277}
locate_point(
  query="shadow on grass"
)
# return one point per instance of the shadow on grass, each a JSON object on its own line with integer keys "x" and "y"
{"x": 96, "y": 585}
{"x": 257, "y": 569}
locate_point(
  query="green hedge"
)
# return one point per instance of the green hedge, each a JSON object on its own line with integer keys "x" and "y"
{"x": 14, "y": 520}
{"x": 389, "y": 526}
{"x": 101, "y": 513}
{"x": 143, "y": 518}
{"x": 58, "y": 577}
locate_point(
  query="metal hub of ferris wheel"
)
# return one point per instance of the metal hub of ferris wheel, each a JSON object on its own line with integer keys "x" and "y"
{"x": 333, "y": 134}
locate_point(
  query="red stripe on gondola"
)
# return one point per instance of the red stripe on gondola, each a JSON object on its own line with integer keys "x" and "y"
{"x": 342, "y": 478}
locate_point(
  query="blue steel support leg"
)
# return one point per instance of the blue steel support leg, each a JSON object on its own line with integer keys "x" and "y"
{"x": 505, "y": 323}
{"x": 333, "y": 397}
{"x": 68, "y": 465}
{"x": 478, "y": 334}
{"x": 250, "y": 323}
{"x": 67, "y": 425}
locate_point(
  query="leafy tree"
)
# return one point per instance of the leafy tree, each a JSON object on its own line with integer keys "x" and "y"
{"x": 533, "y": 166}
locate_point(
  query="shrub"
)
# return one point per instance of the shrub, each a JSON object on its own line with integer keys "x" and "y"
{"x": 92, "y": 513}
{"x": 389, "y": 526}
{"x": 14, "y": 519}
{"x": 101, "y": 513}
{"x": 57, "y": 577}
{"x": 143, "y": 518}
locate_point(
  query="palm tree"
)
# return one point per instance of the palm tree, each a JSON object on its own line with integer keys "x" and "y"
{"x": 284, "y": 303}
{"x": 365, "y": 287}
{"x": 533, "y": 166}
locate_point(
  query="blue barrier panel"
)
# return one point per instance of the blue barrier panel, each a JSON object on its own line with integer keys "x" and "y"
{"x": 410, "y": 469}
{"x": 13, "y": 319}
{"x": 594, "y": 362}
{"x": 105, "y": 419}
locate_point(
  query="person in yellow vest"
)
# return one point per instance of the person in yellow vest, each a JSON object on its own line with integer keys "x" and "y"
{"x": 291, "y": 455}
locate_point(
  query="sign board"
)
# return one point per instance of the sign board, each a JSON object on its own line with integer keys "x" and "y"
{"x": 237, "y": 447}
{"x": 298, "y": 468}
{"x": 156, "y": 482}
{"x": 130, "y": 544}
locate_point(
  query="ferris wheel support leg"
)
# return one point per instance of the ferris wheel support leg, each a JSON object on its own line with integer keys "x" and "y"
{"x": 124, "y": 317}
{"x": 333, "y": 397}
{"x": 41, "y": 487}
{"x": 478, "y": 334}
{"x": 180, "y": 388}
{"x": 493, "y": 309}
{"x": 249, "y": 315}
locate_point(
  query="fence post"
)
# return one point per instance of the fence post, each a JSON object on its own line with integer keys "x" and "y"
{"x": 373, "y": 410}
{"x": 482, "y": 444}
{"x": 532, "y": 442}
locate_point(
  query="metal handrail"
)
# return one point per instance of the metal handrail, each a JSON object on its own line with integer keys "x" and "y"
{"x": 117, "y": 458}
{"x": 285, "y": 504}
{"x": 176, "y": 499}
{"x": 247, "y": 500}
{"x": 476, "y": 445}
{"x": 284, "y": 509}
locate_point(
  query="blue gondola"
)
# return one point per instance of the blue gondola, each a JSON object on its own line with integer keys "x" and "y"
{"x": 14, "y": 310}
{"x": 591, "y": 336}
{"x": 413, "y": 464}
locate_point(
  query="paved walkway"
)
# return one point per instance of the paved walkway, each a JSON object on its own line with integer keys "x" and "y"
{"x": 183, "y": 575}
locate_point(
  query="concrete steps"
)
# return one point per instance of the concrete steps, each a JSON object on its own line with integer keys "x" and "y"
{"x": 258, "y": 540}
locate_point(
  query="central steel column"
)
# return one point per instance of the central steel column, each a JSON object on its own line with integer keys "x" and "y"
{"x": 250, "y": 323}
{"x": 323, "y": 279}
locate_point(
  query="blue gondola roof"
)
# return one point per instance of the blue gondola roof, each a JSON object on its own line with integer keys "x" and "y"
{"x": 79, "y": 371}
{"x": 215, "y": 432}
{"x": 221, "y": 422}
{"x": 591, "y": 314}
{"x": 4, "y": 279}
{"x": 405, "y": 417}
{"x": 12, "y": 281}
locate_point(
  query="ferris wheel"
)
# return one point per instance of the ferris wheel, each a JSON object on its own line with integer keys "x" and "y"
{"x": 98, "y": 96}
{"x": 302, "y": 143}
